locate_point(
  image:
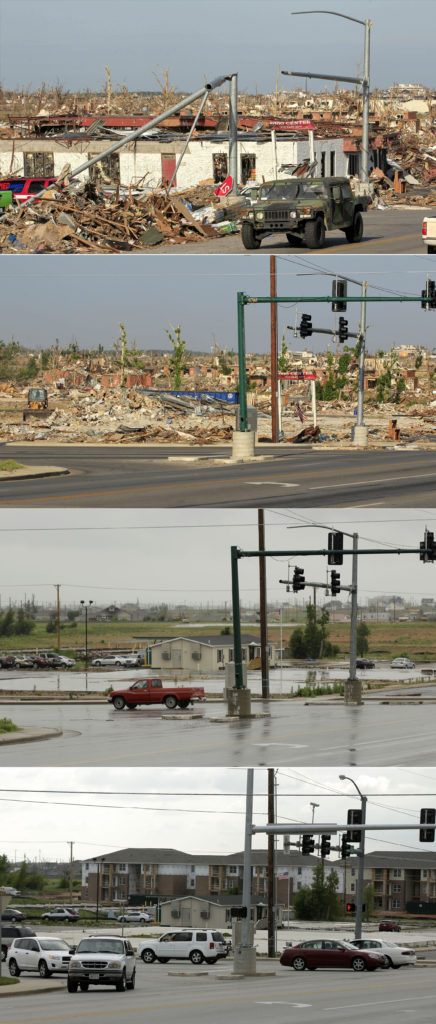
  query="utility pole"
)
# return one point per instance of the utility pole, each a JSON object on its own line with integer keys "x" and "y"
{"x": 263, "y": 607}
{"x": 71, "y": 871}
{"x": 360, "y": 433}
{"x": 352, "y": 685}
{"x": 274, "y": 362}
{"x": 271, "y": 868}
{"x": 58, "y": 613}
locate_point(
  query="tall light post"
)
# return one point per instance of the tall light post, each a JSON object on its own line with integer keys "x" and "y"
{"x": 361, "y": 859}
{"x": 313, "y": 806}
{"x": 85, "y": 607}
{"x": 364, "y": 82}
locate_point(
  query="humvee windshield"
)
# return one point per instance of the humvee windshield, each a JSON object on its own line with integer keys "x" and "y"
{"x": 287, "y": 190}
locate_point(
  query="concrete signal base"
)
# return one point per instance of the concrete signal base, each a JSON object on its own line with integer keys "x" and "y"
{"x": 360, "y": 436}
{"x": 239, "y": 702}
{"x": 243, "y": 444}
{"x": 244, "y": 960}
{"x": 353, "y": 691}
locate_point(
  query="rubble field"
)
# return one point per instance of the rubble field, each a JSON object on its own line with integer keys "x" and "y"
{"x": 120, "y": 415}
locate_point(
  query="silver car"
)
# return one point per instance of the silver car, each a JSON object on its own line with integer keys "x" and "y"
{"x": 395, "y": 956}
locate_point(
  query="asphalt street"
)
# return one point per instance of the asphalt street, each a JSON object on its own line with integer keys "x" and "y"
{"x": 295, "y": 734}
{"x": 142, "y": 478}
{"x": 394, "y": 230}
{"x": 176, "y": 992}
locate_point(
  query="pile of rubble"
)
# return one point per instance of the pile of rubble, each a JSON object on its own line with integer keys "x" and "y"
{"x": 117, "y": 415}
{"x": 88, "y": 220}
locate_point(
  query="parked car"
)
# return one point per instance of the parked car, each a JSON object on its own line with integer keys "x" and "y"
{"x": 12, "y": 914}
{"x": 12, "y": 931}
{"x": 133, "y": 660}
{"x": 402, "y": 663}
{"x": 135, "y": 917}
{"x": 61, "y": 661}
{"x": 22, "y": 188}
{"x": 365, "y": 663}
{"x": 389, "y": 926}
{"x": 102, "y": 960}
{"x": 60, "y": 914}
{"x": 152, "y": 691}
{"x": 395, "y": 956}
{"x": 22, "y": 661}
{"x": 109, "y": 659}
{"x": 7, "y": 661}
{"x": 330, "y": 953}
{"x": 41, "y": 661}
{"x": 42, "y": 953}
{"x": 196, "y": 944}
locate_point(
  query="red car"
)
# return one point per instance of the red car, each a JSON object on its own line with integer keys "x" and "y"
{"x": 152, "y": 691}
{"x": 389, "y": 926}
{"x": 330, "y": 953}
{"x": 23, "y": 188}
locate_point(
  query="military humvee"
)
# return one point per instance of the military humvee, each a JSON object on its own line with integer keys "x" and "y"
{"x": 304, "y": 209}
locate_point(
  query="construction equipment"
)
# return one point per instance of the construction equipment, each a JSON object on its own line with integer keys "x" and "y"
{"x": 37, "y": 404}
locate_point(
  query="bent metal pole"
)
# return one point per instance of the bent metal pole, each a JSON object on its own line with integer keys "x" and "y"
{"x": 143, "y": 130}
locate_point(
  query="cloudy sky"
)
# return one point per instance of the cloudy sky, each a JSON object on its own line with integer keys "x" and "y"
{"x": 85, "y": 300}
{"x": 194, "y": 810}
{"x": 199, "y": 40}
{"x": 183, "y": 555}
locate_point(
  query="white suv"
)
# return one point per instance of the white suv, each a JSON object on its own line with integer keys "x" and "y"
{"x": 102, "y": 960}
{"x": 41, "y": 953}
{"x": 402, "y": 663}
{"x": 195, "y": 945}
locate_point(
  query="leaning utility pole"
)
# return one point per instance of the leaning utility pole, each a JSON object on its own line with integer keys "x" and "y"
{"x": 274, "y": 363}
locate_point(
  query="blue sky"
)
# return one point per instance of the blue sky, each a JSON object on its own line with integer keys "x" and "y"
{"x": 87, "y": 298}
{"x": 201, "y": 39}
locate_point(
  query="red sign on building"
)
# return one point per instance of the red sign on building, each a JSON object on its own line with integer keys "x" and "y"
{"x": 291, "y": 125}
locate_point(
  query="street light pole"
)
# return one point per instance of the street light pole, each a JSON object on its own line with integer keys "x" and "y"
{"x": 361, "y": 860}
{"x": 85, "y": 605}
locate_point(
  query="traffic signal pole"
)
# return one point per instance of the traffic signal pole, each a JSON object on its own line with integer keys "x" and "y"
{"x": 353, "y": 686}
{"x": 360, "y": 433}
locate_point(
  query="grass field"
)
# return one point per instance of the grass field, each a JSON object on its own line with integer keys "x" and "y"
{"x": 416, "y": 640}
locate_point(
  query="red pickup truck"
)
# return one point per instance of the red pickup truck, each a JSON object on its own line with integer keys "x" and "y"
{"x": 152, "y": 691}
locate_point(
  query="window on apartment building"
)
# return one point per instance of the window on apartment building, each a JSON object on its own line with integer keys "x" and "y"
{"x": 396, "y": 873}
{"x": 353, "y": 163}
{"x": 248, "y": 167}
{"x": 395, "y": 904}
{"x": 148, "y": 883}
{"x": 396, "y": 888}
{"x": 299, "y": 871}
{"x": 106, "y": 171}
{"x": 121, "y": 867}
{"x": 220, "y": 164}
{"x": 192, "y": 867}
{"x": 322, "y": 164}
{"x": 233, "y": 869}
{"x": 39, "y": 165}
{"x": 432, "y": 889}
{"x": 378, "y": 886}
{"x": 332, "y": 164}
{"x": 423, "y": 889}
{"x": 220, "y": 656}
{"x": 86, "y": 867}
{"x": 378, "y": 873}
{"x": 192, "y": 883}
{"x": 353, "y": 887}
{"x": 299, "y": 885}
{"x": 353, "y": 871}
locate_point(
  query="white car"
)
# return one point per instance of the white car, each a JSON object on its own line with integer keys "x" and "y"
{"x": 402, "y": 663}
{"x": 195, "y": 944}
{"x": 44, "y": 954}
{"x": 110, "y": 659}
{"x": 396, "y": 956}
{"x": 135, "y": 917}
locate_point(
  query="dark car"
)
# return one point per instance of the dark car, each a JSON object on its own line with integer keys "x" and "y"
{"x": 330, "y": 953}
{"x": 12, "y": 914}
{"x": 389, "y": 926}
{"x": 365, "y": 663}
{"x": 13, "y": 931}
{"x": 7, "y": 661}
{"x": 41, "y": 661}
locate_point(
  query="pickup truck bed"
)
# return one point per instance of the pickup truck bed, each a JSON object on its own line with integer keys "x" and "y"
{"x": 152, "y": 691}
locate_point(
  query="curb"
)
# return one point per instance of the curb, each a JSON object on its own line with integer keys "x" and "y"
{"x": 28, "y": 474}
{"x": 30, "y": 989}
{"x": 29, "y": 735}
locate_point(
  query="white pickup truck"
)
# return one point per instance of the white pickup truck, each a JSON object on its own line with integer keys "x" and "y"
{"x": 429, "y": 233}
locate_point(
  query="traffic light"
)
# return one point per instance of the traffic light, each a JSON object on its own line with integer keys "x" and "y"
{"x": 427, "y": 547}
{"x": 339, "y": 295}
{"x": 298, "y": 579}
{"x": 307, "y": 845}
{"x": 350, "y": 908}
{"x": 336, "y": 543}
{"x": 305, "y": 326}
{"x": 354, "y": 817}
{"x": 427, "y": 817}
{"x": 335, "y": 582}
{"x": 343, "y": 329}
{"x": 345, "y": 846}
{"x": 429, "y": 295}
{"x": 325, "y": 845}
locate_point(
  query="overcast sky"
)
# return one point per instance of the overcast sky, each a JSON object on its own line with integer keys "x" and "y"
{"x": 183, "y": 555}
{"x": 195, "y": 810}
{"x": 86, "y": 299}
{"x": 199, "y": 40}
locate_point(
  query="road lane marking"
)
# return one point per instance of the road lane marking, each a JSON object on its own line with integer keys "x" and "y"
{"x": 269, "y": 483}
{"x": 377, "y": 241}
{"x": 364, "y": 483}
{"x": 380, "y": 1002}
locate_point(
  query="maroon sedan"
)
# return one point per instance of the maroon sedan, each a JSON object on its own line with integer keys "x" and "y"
{"x": 330, "y": 953}
{"x": 389, "y": 926}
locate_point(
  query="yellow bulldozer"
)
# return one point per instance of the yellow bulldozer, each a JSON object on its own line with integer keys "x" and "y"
{"x": 37, "y": 404}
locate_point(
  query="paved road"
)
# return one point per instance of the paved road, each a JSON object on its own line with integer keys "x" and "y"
{"x": 295, "y": 734}
{"x": 191, "y": 996}
{"x": 142, "y": 478}
{"x": 385, "y": 231}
